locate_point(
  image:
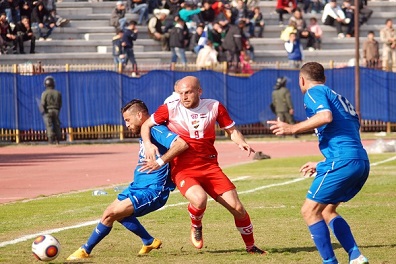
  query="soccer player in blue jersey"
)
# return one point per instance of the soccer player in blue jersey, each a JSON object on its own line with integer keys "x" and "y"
{"x": 149, "y": 190}
{"x": 343, "y": 172}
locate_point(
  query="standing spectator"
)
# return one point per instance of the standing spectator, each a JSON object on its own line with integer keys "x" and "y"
{"x": 177, "y": 42}
{"x": 371, "y": 51}
{"x": 8, "y": 35}
{"x": 294, "y": 51}
{"x": 282, "y": 102}
{"x": 51, "y": 104}
{"x": 285, "y": 7}
{"x": 245, "y": 60}
{"x": 302, "y": 31}
{"x": 118, "y": 19}
{"x": 316, "y": 31}
{"x": 207, "y": 56}
{"x": 130, "y": 35}
{"x": 141, "y": 7}
{"x": 232, "y": 44}
{"x": 39, "y": 16}
{"x": 342, "y": 173}
{"x": 25, "y": 33}
{"x": 388, "y": 37}
{"x": 334, "y": 16}
{"x": 196, "y": 172}
{"x": 155, "y": 28}
{"x": 256, "y": 20}
{"x": 118, "y": 50}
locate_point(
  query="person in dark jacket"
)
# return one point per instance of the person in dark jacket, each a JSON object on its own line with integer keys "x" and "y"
{"x": 39, "y": 21}
{"x": 51, "y": 104}
{"x": 232, "y": 44}
{"x": 8, "y": 35}
{"x": 118, "y": 50}
{"x": 177, "y": 42}
{"x": 130, "y": 35}
{"x": 25, "y": 33}
{"x": 118, "y": 19}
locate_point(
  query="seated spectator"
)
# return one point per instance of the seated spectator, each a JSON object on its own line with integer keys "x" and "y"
{"x": 40, "y": 21}
{"x": 349, "y": 22}
{"x": 141, "y": 7}
{"x": 317, "y": 32}
{"x": 8, "y": 35}
{"x": 198, "y": 41}
{"x": 364, "y": 11}
{"x": 25, "y": 9}
{"x": 118, "y": 19}
{"x": 371, "y": 51}
{"x": 174, "y": 7}
{"x": 25, "y": 33}
{"x": 216, "y": 35}
{"x": 256, "y": 20}
{"x": 207, "y": 56}
{"x": 302, "y": 31}
{"x": 294, "y": 51}
{"x": 11, "y": 8}
{"x": 155, "y": 28}
{"x": 118, "y": 50}
{"x": 189, "y": 16}
{"x": 291, "y": 28}
{"x": 334, "y": 16}
{"x": 241, "y": 13}
{"x": 316, "y": 6}
{"x": 285, "y": 7}
{"x": 208, "y": 14}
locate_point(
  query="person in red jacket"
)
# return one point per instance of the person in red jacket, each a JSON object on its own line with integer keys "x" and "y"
{"x": 285, "y": 7}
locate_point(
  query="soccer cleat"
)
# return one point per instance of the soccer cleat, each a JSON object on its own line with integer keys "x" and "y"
{"x": 360, "y": 260}
{"x": 146, "y": 249}
{"x": 256, "y": 250}
{"x": 196, "y": 237}
{"x": 78, "y": 254}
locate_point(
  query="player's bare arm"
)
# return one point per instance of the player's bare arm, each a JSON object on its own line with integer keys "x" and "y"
{"x": 151, "y": 151}
{"x": 281, "y": 128}
{"x": 178, "y": 146}
{"x": 239, "y": 139}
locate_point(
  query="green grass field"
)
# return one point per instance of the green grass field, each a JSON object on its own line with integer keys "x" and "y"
{"x": 274, "y": 209}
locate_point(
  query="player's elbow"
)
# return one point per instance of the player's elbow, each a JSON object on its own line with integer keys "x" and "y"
{"x": 327, "y": 117}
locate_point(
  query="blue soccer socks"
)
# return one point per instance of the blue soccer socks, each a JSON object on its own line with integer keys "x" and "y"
{"x": 343, "y": 233}
{"x": 97, "y": 235}
{"x": 321, "y": 236}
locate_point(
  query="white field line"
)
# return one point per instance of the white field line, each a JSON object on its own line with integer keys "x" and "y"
{"x": 383, "y": 161}
{"x": 57, "y": 230}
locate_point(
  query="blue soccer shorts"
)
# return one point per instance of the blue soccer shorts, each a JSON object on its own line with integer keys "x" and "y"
{"x": 145, "y": 200}
{"x": 338, "y": 181}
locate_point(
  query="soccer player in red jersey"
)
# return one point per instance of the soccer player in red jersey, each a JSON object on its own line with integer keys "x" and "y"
{"x": 196, "y": 171}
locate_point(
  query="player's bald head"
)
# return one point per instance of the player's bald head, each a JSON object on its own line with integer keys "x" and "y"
{"x": 188, "y": 81}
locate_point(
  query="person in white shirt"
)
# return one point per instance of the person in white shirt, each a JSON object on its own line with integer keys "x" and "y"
{"x": 334, "y": 16}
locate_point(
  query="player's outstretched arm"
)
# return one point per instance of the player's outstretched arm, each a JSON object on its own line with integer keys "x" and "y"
{"x": 239, "y": 139}
{"x": 151, "y": 151}
{"x": 178, "y": 146}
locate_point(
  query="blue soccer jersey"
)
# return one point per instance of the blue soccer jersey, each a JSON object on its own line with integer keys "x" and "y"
{"x": 163, "y": 138}
{"x": 339, "y": 139}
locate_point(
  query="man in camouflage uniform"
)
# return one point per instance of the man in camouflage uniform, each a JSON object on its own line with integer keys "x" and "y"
{"x": 51, "y": 103}
{"x": 281, "y": 101}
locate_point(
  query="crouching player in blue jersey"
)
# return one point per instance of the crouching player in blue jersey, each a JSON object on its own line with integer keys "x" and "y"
{"x": 148, "y": 192}
{"x": 343, "y": 172}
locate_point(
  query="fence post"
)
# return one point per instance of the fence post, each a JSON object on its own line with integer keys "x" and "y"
{"x": 331, "y": 64}
{"x": 17, "y": 132}
{"x": 69, "y": 128}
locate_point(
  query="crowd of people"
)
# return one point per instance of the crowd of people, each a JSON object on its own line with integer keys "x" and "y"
{"x": 26, "y": 20}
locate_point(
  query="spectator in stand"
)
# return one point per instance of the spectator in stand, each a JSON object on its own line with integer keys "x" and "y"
{"x": 388, "y": 37}
{"x": 8, "y": 35}
{"x": 118, "y": 19}
{"x": 118, "y": 50}
{"x": 285, "y": 7}
{"x": 317, "y": 32}
{"x": 365, "y": 13}
{"x": 232, "y": 44}
{"x": 349, "y": 23}
{"x": 256, "y": 20}
{"x": 334, "y": 16}
{"x": 223, "y": 14}
{"x": 245, "y": 63}
{"x": 178, "y": 42}
{"x": 291, "y": 28}
{"x": 208, "y": 14}
{"x": 141, "y": 7}
{"x": 294, "y": 51}
{"x": 216, "y": 36}
{"x": 130, "y": 35}
{"x": 174, "y": 7}
{"x": 196, "y": 42}
{"x": 39, "y": 15}
{"x": 302, "y": 31}
{"x": 155, "y": 28}
{"x": 11, "y": 8}
{"x": 25, "y": 33}
{"x": 316, "y": 6}
{"x": 25, "y": 9}
{"x": 190, "y": 16}
{"x": 371, "y": 51}
{"x": 207, "y": 56}
{"x": 241, "y": 13}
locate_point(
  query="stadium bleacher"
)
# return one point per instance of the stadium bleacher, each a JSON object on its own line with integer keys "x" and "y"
{"x": 87, "y": 38}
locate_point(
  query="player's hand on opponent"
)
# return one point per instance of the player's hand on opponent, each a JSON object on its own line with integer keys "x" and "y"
{"x": 308, "y": 169}
{"x": 149, "y": 165}
{"x": 280, "y": 128}
{"x": 151, "y": 151}
{"x": 246, "y": 147}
